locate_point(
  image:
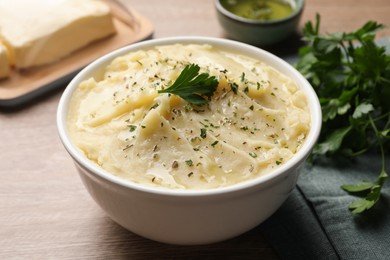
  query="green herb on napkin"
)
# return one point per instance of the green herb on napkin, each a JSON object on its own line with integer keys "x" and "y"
{"x": 351, "y": 75}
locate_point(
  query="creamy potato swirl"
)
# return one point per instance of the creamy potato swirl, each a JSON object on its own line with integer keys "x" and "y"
{"x": 255, "y": 121}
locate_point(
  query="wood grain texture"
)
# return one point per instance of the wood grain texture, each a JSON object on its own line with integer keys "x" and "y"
{"x": 23, "y": 82}
{"x": 45, "y": 212}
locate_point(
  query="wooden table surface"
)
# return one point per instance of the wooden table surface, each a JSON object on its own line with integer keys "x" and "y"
{"x": 45, "y": 212}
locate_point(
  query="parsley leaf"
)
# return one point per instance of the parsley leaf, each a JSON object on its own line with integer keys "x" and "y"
{"x": 361, "y": 205}
{"x": 351, "y": 76}
{"x": 333, "y": 141}
{"x": 195, "y": 88}
{"x": 362, "y": 109}
{"x": 359, "y": 187}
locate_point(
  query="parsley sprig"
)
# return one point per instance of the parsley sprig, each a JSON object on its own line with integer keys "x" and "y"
{"x": 351, "y": 75}
{"x": 193, "y": 87}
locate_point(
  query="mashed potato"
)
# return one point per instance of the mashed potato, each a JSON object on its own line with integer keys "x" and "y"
{"x": 256, "y": 120}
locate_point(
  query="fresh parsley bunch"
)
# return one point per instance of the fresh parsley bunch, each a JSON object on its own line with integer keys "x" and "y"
{"x": 351, "y": 75}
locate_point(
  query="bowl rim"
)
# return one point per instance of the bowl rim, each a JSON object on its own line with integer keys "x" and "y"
{"x": 238, "y": 47}
{"x": 222, "y": 10}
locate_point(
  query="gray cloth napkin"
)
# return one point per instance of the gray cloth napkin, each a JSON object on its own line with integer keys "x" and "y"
{"x": 315, "y": 223}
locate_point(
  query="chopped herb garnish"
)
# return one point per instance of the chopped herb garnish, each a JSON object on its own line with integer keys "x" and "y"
{"x": 132, "y": 128}
{"x": 234, "y": 87}
{"x": 253, "y": 155}
{"x": 203, "y": 133}
{"x": 127, "y": 147}
{"x": 214, "y": 143}
{"x": 154, "y": 106}
{"x": 243, "y": 77}
{"x": 189, "y": 163}
{"x": 193, "y": 87}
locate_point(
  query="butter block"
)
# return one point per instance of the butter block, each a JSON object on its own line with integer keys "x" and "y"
{"x": 43, "y": 31}
{"x": 4, "y": 64}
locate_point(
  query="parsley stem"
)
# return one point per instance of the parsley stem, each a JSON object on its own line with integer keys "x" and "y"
{"x": 362, "y": 151}
{"x": 384, "y": 79}
{"x": 346, "y": 53}
{"x": 381, "y": 117}
{"x": 383, "y": 175}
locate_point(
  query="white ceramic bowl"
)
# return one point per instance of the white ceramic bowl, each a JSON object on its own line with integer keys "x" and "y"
{"x": 181, "y": 216}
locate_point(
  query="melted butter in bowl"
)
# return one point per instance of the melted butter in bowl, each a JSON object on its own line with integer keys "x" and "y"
{"x": 259, "y": 22}
{"x": 260, "y": 10}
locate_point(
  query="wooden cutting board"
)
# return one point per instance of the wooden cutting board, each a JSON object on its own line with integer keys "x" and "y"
{"x": 23, "y": 86}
